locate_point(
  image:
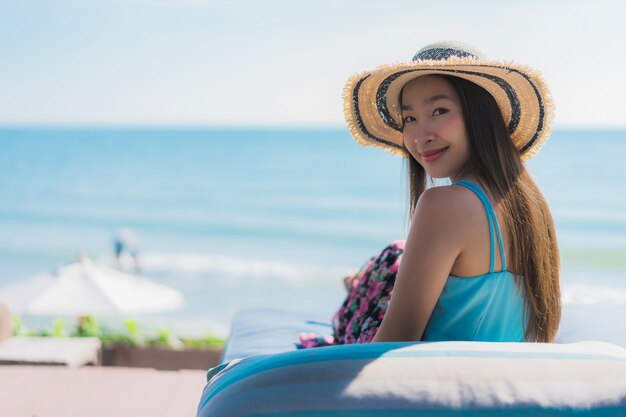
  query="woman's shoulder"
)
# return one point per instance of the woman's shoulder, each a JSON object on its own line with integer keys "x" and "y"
{"x": 449, "y": 200}
{"x": 450, "y": 217}
{"x": 452, "y": 212}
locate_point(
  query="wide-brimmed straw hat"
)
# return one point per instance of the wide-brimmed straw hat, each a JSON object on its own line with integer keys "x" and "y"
{"x": 372, "y": 98}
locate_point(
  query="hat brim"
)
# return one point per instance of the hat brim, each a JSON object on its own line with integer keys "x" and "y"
{"x": 372, "y": 100}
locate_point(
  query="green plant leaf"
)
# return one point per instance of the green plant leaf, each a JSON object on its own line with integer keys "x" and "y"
{"x": 58, "y": 331}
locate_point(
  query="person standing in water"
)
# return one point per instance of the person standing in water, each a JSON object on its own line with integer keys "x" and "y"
{"x": 126, "y": 241}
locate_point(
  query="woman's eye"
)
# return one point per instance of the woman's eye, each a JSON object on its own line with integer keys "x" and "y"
{"x": 409, "y": 119}
{"x": 439, "y": 111}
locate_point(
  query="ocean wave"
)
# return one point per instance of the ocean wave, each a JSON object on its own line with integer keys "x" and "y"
{"x": 592, "y": 216}
{"x": 230, "y": 268}
{"x": 237, "y": 270}
{"x": 583, "y": 294}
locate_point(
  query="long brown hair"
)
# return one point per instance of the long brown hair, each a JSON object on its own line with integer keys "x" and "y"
{"x": 494, "y": 160}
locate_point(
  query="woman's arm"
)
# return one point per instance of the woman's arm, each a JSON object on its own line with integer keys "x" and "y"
{"x": 435, "y": 240}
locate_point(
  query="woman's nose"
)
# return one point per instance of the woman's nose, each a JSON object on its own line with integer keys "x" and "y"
{"x": 425, "y": 132}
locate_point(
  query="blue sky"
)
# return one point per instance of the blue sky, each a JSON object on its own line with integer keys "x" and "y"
{"x": 282, "y": 63}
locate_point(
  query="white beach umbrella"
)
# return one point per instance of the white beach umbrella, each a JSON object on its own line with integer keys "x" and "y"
{"x": 85, "y": 287}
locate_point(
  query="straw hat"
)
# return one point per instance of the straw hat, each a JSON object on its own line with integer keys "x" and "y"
{"x": 372, "y": 98}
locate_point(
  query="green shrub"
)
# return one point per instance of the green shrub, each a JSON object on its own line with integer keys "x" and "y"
{"x": 208, "y": 341}
{"x": 87, "y": 326}
{"x": 59, "y": 325}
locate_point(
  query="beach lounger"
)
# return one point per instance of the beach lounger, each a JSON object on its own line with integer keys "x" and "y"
{"x": 27, "y": 350}
{"x": 263, "y": 374}
{"x": 5, "y": 323}
{"x": 63, "y": 351}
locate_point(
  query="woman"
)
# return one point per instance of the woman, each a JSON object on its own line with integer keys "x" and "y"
{"x": 481, "y": 259}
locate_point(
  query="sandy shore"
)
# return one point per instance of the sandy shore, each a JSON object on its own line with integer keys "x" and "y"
{"x": 45, "y": 391}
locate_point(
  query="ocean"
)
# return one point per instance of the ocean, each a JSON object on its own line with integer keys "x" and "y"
{"x": 243, "y": 218}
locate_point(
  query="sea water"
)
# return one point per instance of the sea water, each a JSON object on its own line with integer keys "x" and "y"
{"x": 243, "y": 218}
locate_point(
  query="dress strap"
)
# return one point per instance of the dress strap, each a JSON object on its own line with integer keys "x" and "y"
{"x": 493, "y": 223}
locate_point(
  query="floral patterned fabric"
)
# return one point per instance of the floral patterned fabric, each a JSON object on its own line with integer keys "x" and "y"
{"x": 361, "y": 314}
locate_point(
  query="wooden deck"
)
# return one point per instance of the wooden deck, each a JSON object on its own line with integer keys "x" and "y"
{"x": 55, "y": 391}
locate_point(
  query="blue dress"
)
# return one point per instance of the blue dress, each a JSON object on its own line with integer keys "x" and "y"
{"x": 487, "y": 307}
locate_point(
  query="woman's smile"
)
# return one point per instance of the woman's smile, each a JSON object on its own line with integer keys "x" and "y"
{"x": 432, "y": 155}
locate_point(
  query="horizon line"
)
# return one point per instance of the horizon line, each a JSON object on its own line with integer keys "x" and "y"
{"x": 209, "y": 126}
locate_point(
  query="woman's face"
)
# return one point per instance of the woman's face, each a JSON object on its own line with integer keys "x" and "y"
{"x": 434, "y": 130}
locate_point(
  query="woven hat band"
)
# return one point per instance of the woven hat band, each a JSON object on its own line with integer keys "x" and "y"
{"x": 438, "y": 54}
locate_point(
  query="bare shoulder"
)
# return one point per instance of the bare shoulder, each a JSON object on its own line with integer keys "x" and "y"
{"x": 450, "y": 213}
{"x": 448, "y": 202}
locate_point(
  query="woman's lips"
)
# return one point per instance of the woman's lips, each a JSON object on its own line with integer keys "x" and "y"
{"x": 430, "y": 156}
